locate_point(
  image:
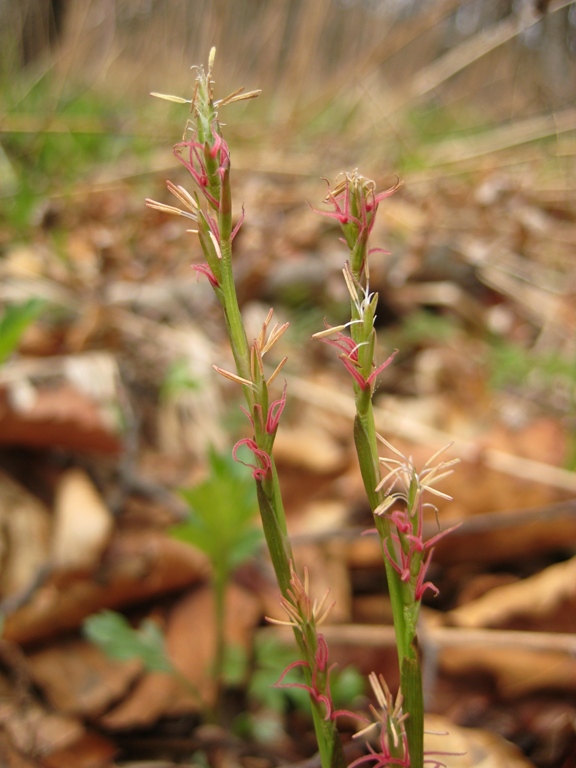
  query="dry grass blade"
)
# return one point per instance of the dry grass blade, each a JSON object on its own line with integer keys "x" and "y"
{"x": 465, "y": 54}
{"x": 376, "y": 636}
{"x": 503, "y": 137}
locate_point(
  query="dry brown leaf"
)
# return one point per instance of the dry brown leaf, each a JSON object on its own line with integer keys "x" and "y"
{"x": 24, "y": 544}
{"x": 82, "y": 523}
{"x": 190, "y": 636}
{"x": 475, "y": 748}
{"x": 63, "y": 417}
{"x": 190, "y": 642}
{"x": 137, "y": 565}
{"x": 34, "y": 731}
{"x": 309, "y": 449}
{"x": 68, "y": 401}
{"x": 10, "y": 757}
{"x": 534, "y": 598}
{"x": 78, "y": 679}
{"x": 517, "y": 671}
{"x": 542, "y": 439}
{"x": 503, "y": 536}
{"x": 318, "y": 517}
{"x": 146, "y": 703}
{"x": 495, "y": 487}
{"x": 91, "y": 750}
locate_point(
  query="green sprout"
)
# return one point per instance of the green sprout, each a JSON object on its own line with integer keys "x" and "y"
{"x": 13, "y": 324}
{"x": 220, "y": 523}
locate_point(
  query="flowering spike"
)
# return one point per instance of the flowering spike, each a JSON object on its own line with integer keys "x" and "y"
{"x": 274, "y": 413}
{"x": 264, "y": 463}
{"x": 204, "y": 269}
{"x": 349, "y": 356}
{"x": 389, "y": 720}
{"x": 301, "y": 610}
{"x": 406, "y": 550}
{"x": 319, "y": 688}
{"x": 238, "y": 225}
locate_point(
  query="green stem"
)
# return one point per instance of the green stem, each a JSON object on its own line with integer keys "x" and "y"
{"x": 402, "y": 604}
{"x": 272, "y": 510}
{"x": 277, "y": 541}
{"x": 256, "y": 394}
{"x": 411, "y": 682}
{"x": 366, "y": 448}
{"x": 233, "y": 317}
{"x": 274, "y": 525}
{"x": 329, "y": 743}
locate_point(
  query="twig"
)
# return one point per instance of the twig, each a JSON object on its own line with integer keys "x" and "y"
{"x": 444, "y": 638}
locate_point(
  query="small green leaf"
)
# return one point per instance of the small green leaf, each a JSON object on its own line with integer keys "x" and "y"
{"x": 13, "y": 323}
{"x": 247, "y": 543}
{"x": 221, "y": 517}
{"x": 178, "y": 379}
{"x": 113, "y": 634}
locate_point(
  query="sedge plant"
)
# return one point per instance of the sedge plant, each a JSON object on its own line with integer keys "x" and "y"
{"x": 395, "y": 490}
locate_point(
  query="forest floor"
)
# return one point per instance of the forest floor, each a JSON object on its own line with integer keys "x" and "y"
{"x": 110, "y": 406}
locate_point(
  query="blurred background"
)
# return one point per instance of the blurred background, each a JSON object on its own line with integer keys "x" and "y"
{"x": 469, "y": 104}
{"x": 391, "y": 79}
{"x": 107, "y": 339}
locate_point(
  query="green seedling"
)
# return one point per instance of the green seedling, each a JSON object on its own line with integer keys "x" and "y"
{"x": 13, "y": 324}
{"x": 220, "y": 523}
{"x": 221, "y": 516}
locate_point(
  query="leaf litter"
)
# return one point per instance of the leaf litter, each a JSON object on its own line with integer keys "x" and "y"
{"x": 476, "y": 261}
